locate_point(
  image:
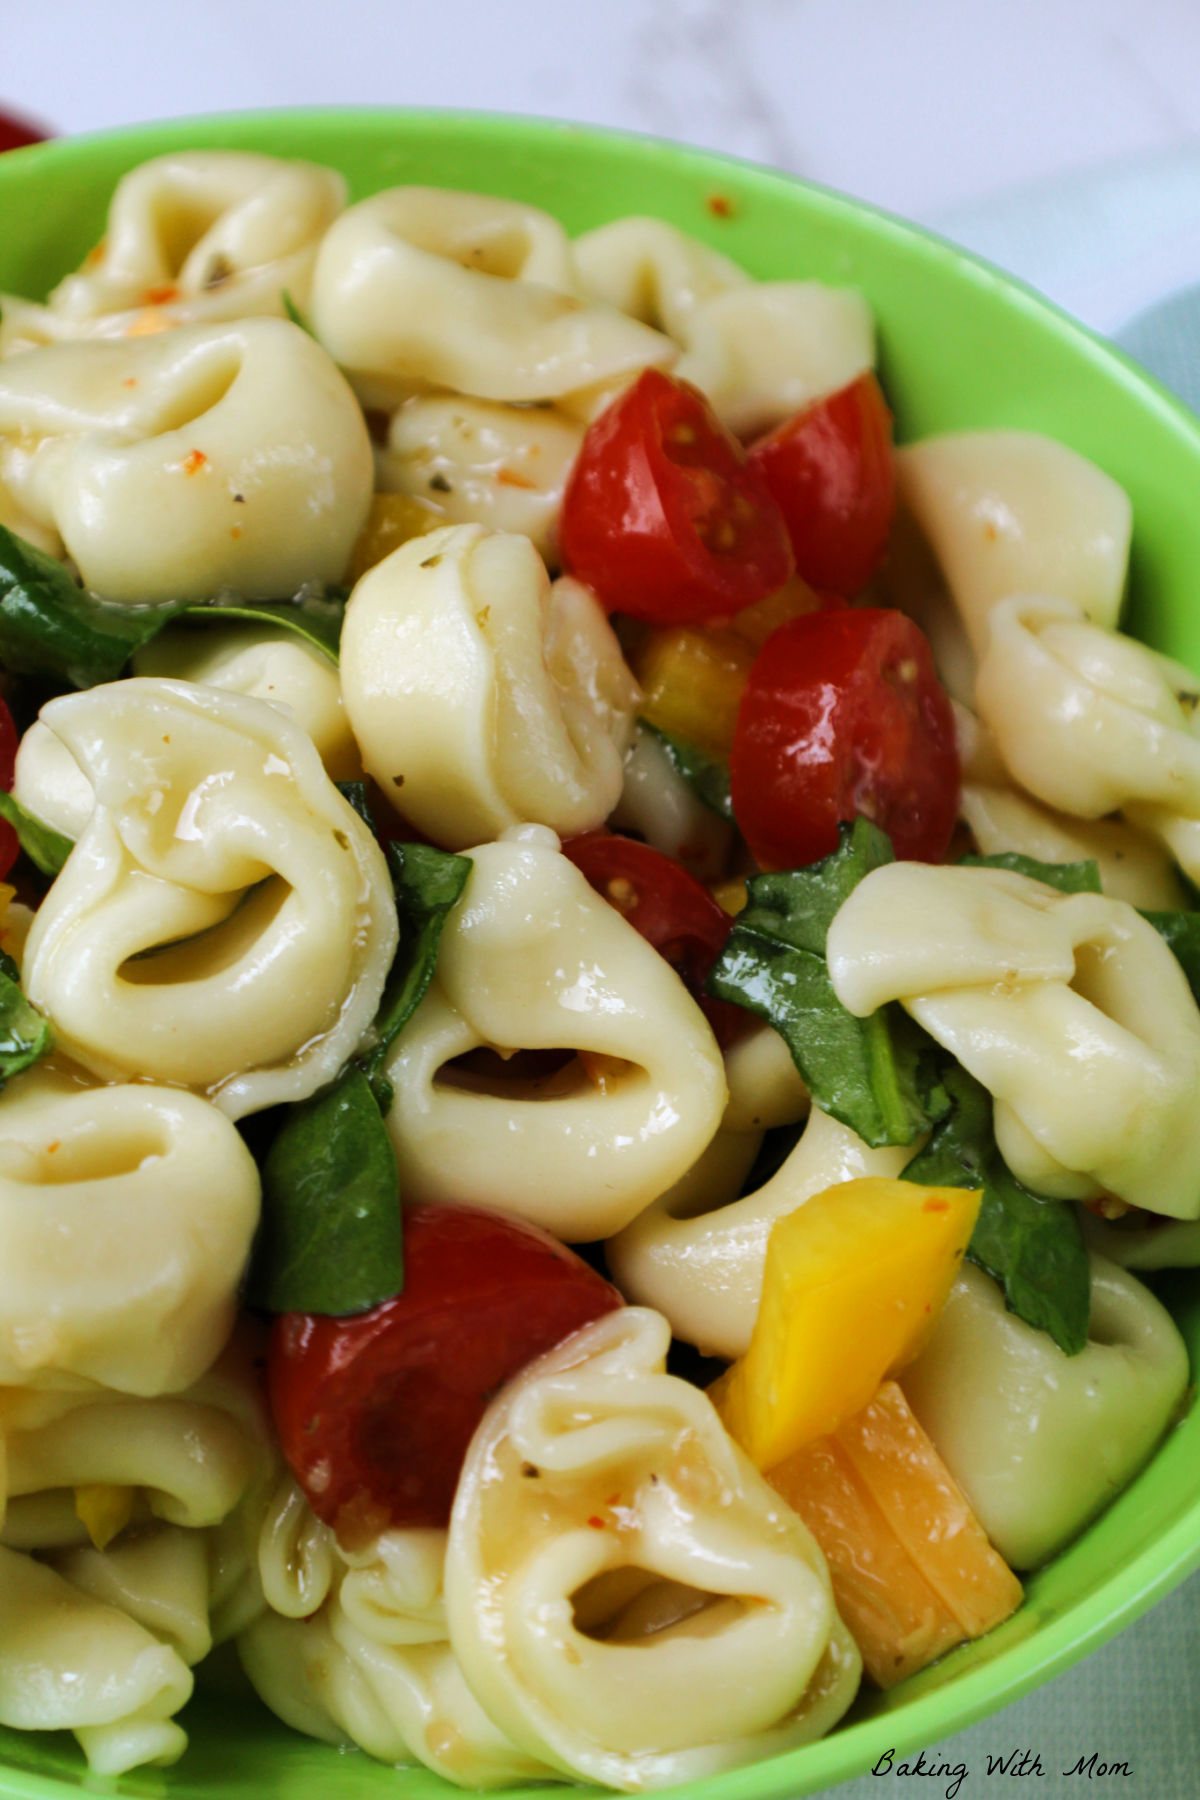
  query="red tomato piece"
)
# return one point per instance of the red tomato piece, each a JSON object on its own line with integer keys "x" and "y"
{"x": 16, "y": 132}
{"x": 9, "y": 845}
{"x": 663, "y": 517}
{"x": 842, "y": 715}
{"x": 375, "y": 1413}
{"x": 831, "y": 470}
{"x": 671, "y": 909}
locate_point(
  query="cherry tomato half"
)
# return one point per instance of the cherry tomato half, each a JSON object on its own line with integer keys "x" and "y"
{"x": 668, "y": 906}
{"x": 831, "y": 470}
{"x": 843, "y": 714}
{"x": 8, "y": 758}
{"x": 375, "y": 1413}
{"x": 16, "y": 132}
{"x": 662, "y": 516}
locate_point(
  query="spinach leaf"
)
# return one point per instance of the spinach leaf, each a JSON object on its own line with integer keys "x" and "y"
{"x": 331, "y": 1239}
{"x": 427, "y": 883}
{"x": 48, "y": 626}
{"x": 356, "y": 793}
{"x": 24, "y": 1034}
{"x": 1181, "y": 933}
{"x": 878, "y": 1075}
{"x": 315, "y": 617}
{"x": 1033, "y": 1247}
{"x": 1068, "y": 878}
{"x": 707, "y": 775}
{"x": 46, "y": 848}
{"x": 294, "y": 314}
{"x": 331, "y": 1234}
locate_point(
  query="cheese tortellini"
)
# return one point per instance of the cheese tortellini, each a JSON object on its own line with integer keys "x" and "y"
{"x": 126, "y": 1218}
{"x": 613, "y": 1556}
{"x": 1037, "y": 1440}
{"x": 481, "y": 695}
{"x": 697, "y": 1254}
{"x": 1092, "y": 722}
{"x": 531, "y": 958}
{"x": 354, "y": 1648}
{"x": 1068, "y": 1007}
{"x": 760, "y": 350}
{"x": 193, "y": 237}
{"x": 1012, "y": 512}
{"x": 226, "y": 919}
{"x": 421, "y": 288}
{"x": 173, "y": 467}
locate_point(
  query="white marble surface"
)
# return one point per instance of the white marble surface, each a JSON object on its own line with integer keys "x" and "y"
{"x": 1062, "y": 138}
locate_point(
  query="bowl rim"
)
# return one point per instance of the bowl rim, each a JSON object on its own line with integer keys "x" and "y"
{"x": 1166, "y": 1560}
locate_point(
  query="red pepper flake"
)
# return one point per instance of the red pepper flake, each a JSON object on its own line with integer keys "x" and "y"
{"x": 51, "y": 1148}
{"x": 935, "y": 1205}
{"x": 194, "y": 461}
{"x": 720, "y": 206}
{"x": 130, "y": 381}
{"x": 596, "y": 1523}
{"x": 510, "y": 478}
{"x": 235, "y": 532}
{"x": 160, "y": 296}
{"x": 613, "y": 1500}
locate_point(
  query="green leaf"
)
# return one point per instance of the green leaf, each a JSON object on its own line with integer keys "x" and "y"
{"x": 49, "y": 626}
{"x": 1032, "y": 1246}
{"x": 707, "y": 775}
{"x": 427, "y": 884}
{"x": 1068, "y": 878}
{"x": 46, "y": 848}
{"x": 878, "y": 1074}
{"x": 316, "y": 618}
{"x": 331, "y": 1239}
{"x": 294, "y": 314}
{"x": 356, "y": 793}
{"x": 1181, "y": 932}
{"x": 24, "y": 1034}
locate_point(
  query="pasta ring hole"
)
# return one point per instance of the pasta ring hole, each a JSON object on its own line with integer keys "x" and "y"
{"x": 544, "y": 1074}
{"x": 633, "y": 1606}
{"x": 86, "y": 1156}
{"x": 212, "y": 952}
{"x": 202, "y": 385}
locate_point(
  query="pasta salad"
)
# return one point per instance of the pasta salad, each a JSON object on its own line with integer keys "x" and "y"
{"x": 598, "y": 980}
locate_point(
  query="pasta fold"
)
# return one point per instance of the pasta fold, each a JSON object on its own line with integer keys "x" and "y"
{"x": 126, "y": 1219}
{"x": 1037, "y": 1440}
{"x": 420, "y": 288}
{"x": 613, "y": 1555}
{"x": 1069, "y": 1008}
{"x": 481, "y": 695}
{"x": 1013, "y": 512}
{"x": 173, "y": 467}
{"x": 219, "y": 845}
{"x": 760, "y": 350}
{"x": 697, "y": 1253}
{"x": 531, "y": 958}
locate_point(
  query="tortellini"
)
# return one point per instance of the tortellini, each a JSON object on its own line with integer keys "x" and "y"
{"x": 226, "y": 920}
{"x": 1037, "y": 1440}
{"x": 760, "y": 350}
{"x": 206, "y": 458}
{"x": 1012, "y": 512}
{"x": 354, "y": 1648}
{"x": 420, "y": 288}
{"x": 697, "y": 1254}
{"x": 126, "y": 1218}
{"x": 532, "y": 958}
{"x": 613, "y": 1557}
{"x": 1091, "y": 722}
{"x": 1070, "y": 1008}
{"x": 1139, "y": 1240}
{"x": 481, "y": 695}
{"x": 505, "y": 467}
{"x": 268, "y": 663}
{"x": 193, "y": 237}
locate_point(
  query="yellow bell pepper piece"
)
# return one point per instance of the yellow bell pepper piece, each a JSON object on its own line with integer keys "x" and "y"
{"x": 105, "y": 1509}
{"x": 392, "y": 521}
{"x": 853, "y": 1283}
{"x": 731, "y": 895}
{"x": 756, "y": 623}
{"x": 692, "y": 682}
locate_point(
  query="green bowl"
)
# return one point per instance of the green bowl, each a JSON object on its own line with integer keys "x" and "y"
{"x": 960, "y": 345}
